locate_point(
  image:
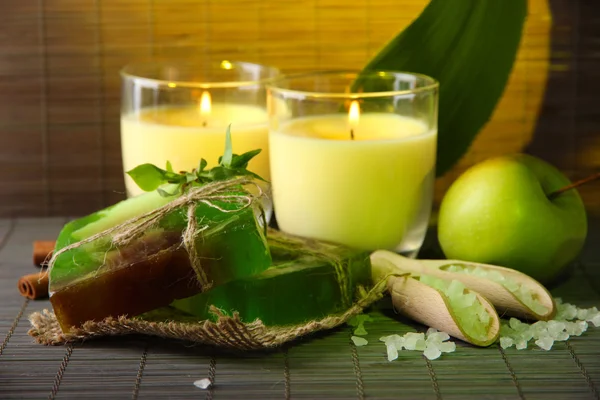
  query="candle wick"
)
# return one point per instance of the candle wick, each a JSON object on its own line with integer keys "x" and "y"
{"x": 352, "y": 134}
{"x": 204, "y": 123}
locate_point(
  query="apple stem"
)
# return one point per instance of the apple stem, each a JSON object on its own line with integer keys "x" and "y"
{"x": 573, "y": 185}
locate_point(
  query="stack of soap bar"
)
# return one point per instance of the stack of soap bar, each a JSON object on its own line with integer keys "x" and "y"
{"x": 99, "y": 279}
{"x": 308, "y": 280}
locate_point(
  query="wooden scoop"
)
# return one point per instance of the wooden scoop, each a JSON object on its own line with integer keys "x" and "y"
{"x": 431, "y": 307}
{"x": 503, "y": 299}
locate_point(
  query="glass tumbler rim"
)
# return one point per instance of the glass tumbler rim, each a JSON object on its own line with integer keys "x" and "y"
{"x": 135, "y": 72}
{"x": 431, "y": 84}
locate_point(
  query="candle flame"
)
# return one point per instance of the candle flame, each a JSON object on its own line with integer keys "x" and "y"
{"x": 205, "y": 104}
{"x": 354, "y": 113}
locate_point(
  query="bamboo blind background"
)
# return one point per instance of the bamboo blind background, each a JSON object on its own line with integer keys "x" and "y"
{"x": 60, "y": 88}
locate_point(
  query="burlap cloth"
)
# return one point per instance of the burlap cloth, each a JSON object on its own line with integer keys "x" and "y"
{"x": 226, "y": 332}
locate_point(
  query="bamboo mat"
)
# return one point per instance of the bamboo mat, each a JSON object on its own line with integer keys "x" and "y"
{"x": 323, "y": 366}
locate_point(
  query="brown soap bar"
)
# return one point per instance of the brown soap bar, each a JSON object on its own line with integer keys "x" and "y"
{"x": 146, "y": 263}
{"x": 34, "y": 286}
{"x": 42, "y": 251}
{"x": 167, "y": 275}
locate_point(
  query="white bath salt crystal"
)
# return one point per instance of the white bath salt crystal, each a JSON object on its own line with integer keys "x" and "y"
{"x": 438, "y": 337}
{"x": 447, "y": 347}
{"x": 496, "y": 276}
{"x": 538, "y": 308}
{"x": 566, "y": 311}
{"x": 526, "y": 335}
{"x": 432, "y": 352}
{"x": 571, "y": 328}
{"x": 455, "y": 289}
{"x": 506, "y": 330}
{"x": 582, "y": 314}
{"x": 430, "y": 331}
{"x": 582, "y": 326}
{"x": 561, "y": 337}
{"x": 392, "y": 352}
{"x": 545, "y": 342}
{"x": 576, "y": 328}
{"x": 387, "y": 339}
{"x": 506, "y": 342}
{"x": 483, "y": 315}
{"x": 420, "y": 345}
{"x": 516, "y": 324}
{"x": 468, "y": 300}
{"x": 454, "y": 268}
{"x": 524, "y": 294}
{"x": 558, "y": 300}
{"x": 596, "y": 320}
{"x": 203, "y": 383}
{"x": 555, "y": 327}
{"x": 511, "y": 285}
{"x": 521, "y": 344}
{"x": 359, "y": 341}
{"x": 396, "y": 340}
{"x": 411, "y": 339}
{"x": 539, "y": 329}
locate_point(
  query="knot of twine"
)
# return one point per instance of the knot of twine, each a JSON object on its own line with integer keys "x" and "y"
{"x": 125, "y": 233}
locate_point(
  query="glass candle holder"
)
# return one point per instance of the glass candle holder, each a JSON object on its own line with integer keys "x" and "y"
{"x": 352, "y": 157}
{"x": 180, "y": 112}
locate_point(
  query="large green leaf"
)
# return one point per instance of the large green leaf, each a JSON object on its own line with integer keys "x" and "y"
{"x": 469, "y": 46}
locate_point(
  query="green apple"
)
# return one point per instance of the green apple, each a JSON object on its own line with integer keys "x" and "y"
{"x": 498, "y": 212}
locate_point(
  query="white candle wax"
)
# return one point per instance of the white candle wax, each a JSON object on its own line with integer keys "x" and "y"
{"x": 366, "y": 193}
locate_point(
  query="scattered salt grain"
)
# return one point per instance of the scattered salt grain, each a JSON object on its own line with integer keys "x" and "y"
{"x": 555, "y": 327}
{"x": 432, "y": 352}
{"x": 545, "y": 342}
{"x": 359, "y": 341}
{"x": 392, "y": 352}
{"x": 516, "y": 324}
{"x": 576, "y": 328}
{"x": 420, "y": 344}
{"x": 566, "y": 311}
{"x": 411, "y": 339}
{"x": 569, "y": 321}
{"x": 506, "y": 342}
{"x": 360, "y": 330}
{"x": 582, "y": 314}
{"x": 203, "y": 383}
{"x": 396, "y": 340}
{"x": 430, "y": 332}
{"x": 521, "y": 344}
{"x": 437, "y": 337}
{"x": 432, "y": 343}
{"x": 447, "y": 347}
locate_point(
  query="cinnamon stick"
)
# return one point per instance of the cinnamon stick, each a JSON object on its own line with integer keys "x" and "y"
{"x": 34, "y": 286}
{"x": 42, "y": 251}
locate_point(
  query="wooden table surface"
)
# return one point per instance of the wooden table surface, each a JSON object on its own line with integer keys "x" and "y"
{"x": 324, "y": 366}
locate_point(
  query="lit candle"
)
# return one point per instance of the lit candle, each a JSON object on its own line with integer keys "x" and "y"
{"x": 179, "y": 112}
{"x": 185, "y": 134}
{"x": 205, "y": 107}
{"x": 353, "y": 116}
{"x": 364, "y": 180}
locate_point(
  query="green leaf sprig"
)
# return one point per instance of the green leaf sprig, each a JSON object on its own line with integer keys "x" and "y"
{"x": 149, "y": 177}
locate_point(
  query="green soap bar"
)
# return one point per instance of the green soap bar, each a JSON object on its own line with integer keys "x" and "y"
{"x": 98, "y": 279}
{"x": 309, "y": 280}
